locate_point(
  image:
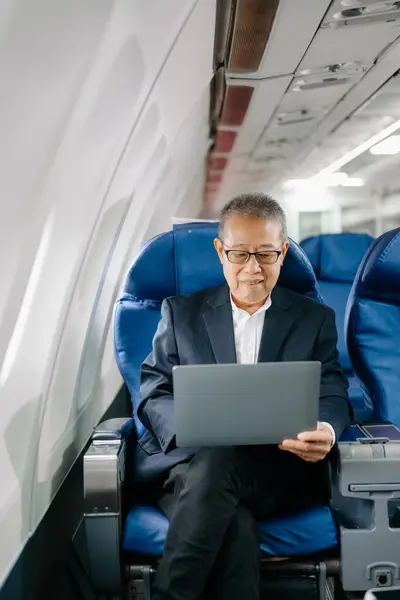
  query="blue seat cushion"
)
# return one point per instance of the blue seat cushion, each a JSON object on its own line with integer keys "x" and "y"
{"x": 134, "y": 327}
{"x": 335, "y": 295}
{"x": 304, "y": 533}
{"x": 336, "y": 256}
{"x": 363, "y": 409}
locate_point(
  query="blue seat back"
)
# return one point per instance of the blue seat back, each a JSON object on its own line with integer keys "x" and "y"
{"x": 181, "y": 261}
{"x": 335, "y": 259}
{"x": 373, "y": 326}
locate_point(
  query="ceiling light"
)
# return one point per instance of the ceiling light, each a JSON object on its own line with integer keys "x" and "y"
{"x": 334, "y": 179}
{"x": 349, "y": 156}
{"x": 330, "y": 180}
{"x": 353, "y": 182}
{"x": 340, "y": 179}
{"x": 295, "y": 184}
{"x": 390, "y": 145}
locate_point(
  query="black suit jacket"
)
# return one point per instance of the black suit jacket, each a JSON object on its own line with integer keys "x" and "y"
{"x": 198, "y": 329}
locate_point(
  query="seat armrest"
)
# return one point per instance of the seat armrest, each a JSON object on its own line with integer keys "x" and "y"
{"x": 103, "y": 480}
{"x": 368, "y": 477}
{"x": 112, "y": 429}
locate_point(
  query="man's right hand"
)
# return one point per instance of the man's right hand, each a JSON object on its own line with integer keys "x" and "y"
{"x": 311, "y": 446}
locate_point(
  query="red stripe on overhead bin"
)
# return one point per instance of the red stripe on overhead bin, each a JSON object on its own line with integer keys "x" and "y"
{"x": 224, "y": 141}
{"x": 212, "y": 187}
{"x": 236, "y": 103}
{"x": 217, "y": 163}
{"x": 214, "y": 177}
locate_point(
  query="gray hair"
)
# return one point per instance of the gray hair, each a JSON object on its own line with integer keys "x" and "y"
{"x": 254, "y": 206}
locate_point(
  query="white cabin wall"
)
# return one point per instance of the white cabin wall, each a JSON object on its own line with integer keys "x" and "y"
{"x": 192, "y": 201}
{"x": 89, "y": 120}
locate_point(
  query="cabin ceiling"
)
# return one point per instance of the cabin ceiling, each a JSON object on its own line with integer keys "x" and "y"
{"x": 299, "y": 85}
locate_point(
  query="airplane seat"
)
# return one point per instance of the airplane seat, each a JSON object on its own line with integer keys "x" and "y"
{"x": 372, "y": 326}
{"x": 179, "y": 262}
{"x": 335, "y": 259}
{"x": 183, "y": 261}
{"x": 365, "y": 486}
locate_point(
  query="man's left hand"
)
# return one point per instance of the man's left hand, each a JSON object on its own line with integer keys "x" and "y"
{"x": 311, "y": 446}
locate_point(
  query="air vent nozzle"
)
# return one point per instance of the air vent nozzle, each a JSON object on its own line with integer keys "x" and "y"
{"x": 304, "y": 86}
{"x": 267, "y": 158}
{"x": 299, "y": 116}
{"x": 357, "y": 13}
{"x": 348, "y": 69}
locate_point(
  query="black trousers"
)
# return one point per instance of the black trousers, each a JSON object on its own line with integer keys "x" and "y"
{"x": 212, "y": 549}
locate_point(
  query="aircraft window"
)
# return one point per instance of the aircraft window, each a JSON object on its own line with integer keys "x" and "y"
{"x": 75, "y": 401}
{"x": 104, "y": 244}
{"x": 24, "y": 313}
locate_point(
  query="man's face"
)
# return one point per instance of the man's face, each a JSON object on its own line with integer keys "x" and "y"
{"x": 251, "y": 282}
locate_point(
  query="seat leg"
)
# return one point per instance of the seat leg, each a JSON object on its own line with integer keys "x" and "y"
{"x": 147, "y": 583}
{"x": 322, "y": 581}
{"x": 79, "y": 577}
{"x": 140, "y": 583}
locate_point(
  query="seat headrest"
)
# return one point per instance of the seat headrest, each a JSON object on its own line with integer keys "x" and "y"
{"x": 336, "y": 256}
{"x": 372, "y": 325}
{"x": 183, "y": 261}
{"x": 378, "y": 277}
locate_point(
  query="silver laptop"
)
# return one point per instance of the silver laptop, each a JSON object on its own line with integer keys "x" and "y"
{"x": 248, "y": 404}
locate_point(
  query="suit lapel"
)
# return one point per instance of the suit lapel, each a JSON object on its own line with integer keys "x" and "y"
{"x": 279, "y": 321}
{"x": 219, "y": 324}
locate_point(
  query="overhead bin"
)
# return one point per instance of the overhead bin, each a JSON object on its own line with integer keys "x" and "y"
{"x": 369, "y": 52}
{"x": 277, "y": 34}
{"x": 307, "y": 101}
{"x": 359, "y": 38}
{"x": 377, "y": 110}
{"x": 357, "y": 13}
{"x": 335, "y": 62}
{"x": 296, "y": 95}
{"x": 266, "y": 96}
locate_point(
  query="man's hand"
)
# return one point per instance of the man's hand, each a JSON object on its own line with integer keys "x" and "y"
{"x": 311, "y": 446}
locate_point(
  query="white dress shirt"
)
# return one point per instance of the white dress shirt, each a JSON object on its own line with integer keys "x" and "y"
{"x": 248, "y": 330}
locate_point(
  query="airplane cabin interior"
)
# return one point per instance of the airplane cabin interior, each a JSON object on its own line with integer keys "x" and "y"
{"x": 126, "y": 126}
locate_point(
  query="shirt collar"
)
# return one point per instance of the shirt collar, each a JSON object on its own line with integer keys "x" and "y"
{"x": 262, "y": 308}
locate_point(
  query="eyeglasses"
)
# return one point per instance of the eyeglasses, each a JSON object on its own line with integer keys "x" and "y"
{"x": 241, "y": 257}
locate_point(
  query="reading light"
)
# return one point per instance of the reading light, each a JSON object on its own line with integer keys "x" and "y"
{"x": 390, "y": 145}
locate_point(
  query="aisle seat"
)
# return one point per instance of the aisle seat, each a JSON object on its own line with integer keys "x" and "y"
{"x": 335, "y": 259}
{"x": 372, "y": 325}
